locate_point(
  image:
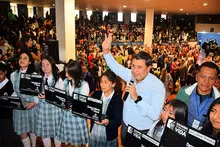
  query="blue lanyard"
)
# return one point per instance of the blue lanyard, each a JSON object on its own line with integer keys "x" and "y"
{"x": 197, "y": 104}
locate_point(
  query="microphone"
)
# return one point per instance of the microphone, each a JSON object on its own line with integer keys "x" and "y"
{"x": 127, "y": 93}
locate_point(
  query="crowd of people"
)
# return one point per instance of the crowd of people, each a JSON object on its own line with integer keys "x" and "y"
{"x": 152, "y": 75}
{"x": 92, "y": 30}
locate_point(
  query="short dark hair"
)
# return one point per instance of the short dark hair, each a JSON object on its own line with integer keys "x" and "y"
{"x": 209, "y": 65}
{"x": 26, "y": 38}
{"x": 175, "y": 59}
{"x": 3, "y": 67}
{"x": 144, "y": 56}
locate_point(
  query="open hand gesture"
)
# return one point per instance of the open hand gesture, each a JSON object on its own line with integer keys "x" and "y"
{"x": 106, "y": 44}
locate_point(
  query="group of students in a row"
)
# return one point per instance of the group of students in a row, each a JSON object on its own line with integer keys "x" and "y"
{"x": 49, "y": 121}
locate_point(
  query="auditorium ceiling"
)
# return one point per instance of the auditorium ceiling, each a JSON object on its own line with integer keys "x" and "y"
{"x": 169, "y": 6}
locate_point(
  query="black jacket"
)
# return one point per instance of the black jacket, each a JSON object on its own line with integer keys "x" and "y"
{"x": 114, "y": 114}
{"x": 208, "y": 130}
{"x": 8, "y": 88}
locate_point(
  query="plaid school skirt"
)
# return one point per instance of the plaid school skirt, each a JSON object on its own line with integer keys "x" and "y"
{"x": 73, "y": 129}
{"x": 98, "y": 137}
{"x": 24, "y": 120}
{"x": 47, "y": 119}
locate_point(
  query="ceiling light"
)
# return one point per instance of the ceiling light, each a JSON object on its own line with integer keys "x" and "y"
{"x": 181, "y": 9}
{"x": 97, "y": 9}
{"x": 53, "y": 5}
{"x": 124, "y": 6}
{"x": 205, "y": 4}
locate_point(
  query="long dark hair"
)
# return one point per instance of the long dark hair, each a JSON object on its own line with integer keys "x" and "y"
{"x": 54, "y": 68}
{"x": 74, "y": 70}
{"x": 208, "y": 128}
{"x": 114, "y": 79}
{"x": 180, "y": 110}
{"x": 31, "y": 68}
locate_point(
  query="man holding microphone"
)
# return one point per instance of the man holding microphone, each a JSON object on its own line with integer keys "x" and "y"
{"x": 146, "y": 96}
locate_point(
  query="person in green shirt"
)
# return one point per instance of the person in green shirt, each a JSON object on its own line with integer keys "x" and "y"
{"x": 11, "y": 16}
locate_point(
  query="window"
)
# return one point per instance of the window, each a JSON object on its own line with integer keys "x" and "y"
{"x": 30, "y": 11}
{"x": 77, "y": 13}
{"x": 120, "y": 16}
{"x": 88, "y": 13}
{"x": 45, "y": 11}
{"x": 14, "y": 8}
{"x": 104, "y": 13}
{"x": 164, "y": 16}
{"x": 133, "y": 17}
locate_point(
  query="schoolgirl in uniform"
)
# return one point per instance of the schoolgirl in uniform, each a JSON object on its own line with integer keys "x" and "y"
{"x": 24, "y": 120}
{"x": 212, "y": 126}
{"x": 105, "y": 133}
{"x": 175, "y": 109}
{"x": 73, "y": 129}
{"x": 47, "y": 115}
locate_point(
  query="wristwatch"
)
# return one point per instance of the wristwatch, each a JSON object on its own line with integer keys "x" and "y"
{"x": 139, "y": 98}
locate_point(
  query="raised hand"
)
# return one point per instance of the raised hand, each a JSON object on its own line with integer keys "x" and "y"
{"x": 106, "y": 44}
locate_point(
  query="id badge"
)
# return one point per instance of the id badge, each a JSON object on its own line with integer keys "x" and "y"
{"x": 195, "y": 124}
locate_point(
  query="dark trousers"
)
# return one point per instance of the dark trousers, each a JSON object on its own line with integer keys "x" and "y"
{"x": 124, "y": 130}
{"x": 8, "y": 138}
